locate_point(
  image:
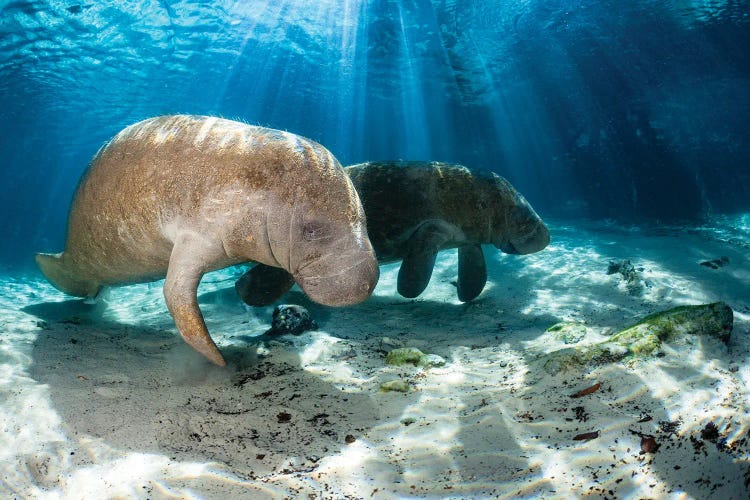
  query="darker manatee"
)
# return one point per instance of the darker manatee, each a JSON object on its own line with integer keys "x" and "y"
{"x": 414, "y": 210}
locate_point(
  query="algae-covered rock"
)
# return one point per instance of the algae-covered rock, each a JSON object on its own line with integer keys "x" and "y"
{"x": 568, "y": 332}
{"x": 431, "y": 360}
{"x": 397, "y": 385}
{"x": 412, "y": 355}
{"x": 645, "y": 337}
{"x": 575, "y": 357}
{"x": 713, "y": 320}
{"x": 633, "y": 282}
{"x": 404, "y": 355}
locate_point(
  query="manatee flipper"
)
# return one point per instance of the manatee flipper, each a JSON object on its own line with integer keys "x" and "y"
{"x": 53, "y": 268}
{"x": 472, "y": 272}
{"x": 421, "y": 251}
{"x": 263, "y": 285}
{"x": 181, "y": 293}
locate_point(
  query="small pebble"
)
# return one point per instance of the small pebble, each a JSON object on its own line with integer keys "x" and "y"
{"x": 397, "y": 385}
{"x": 586, "y": 436}
{"x": 648, "y": 444}
{"x": 432, "y": 360}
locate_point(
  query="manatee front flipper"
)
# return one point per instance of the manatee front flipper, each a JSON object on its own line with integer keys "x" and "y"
{"x": 263, "y": 285}
{"x": 421, "y": 251}
{"x": 185, "y": 271}
{"x": 472, "y": 272}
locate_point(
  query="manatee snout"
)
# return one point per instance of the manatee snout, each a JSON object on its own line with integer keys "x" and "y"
{"x": 340, "y": 280}
{"x": 525, "y": 232}
{"x": 532, "y": 241}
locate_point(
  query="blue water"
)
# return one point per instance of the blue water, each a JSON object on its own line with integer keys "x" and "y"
{"x": 634, "y": 111}
{"x": 625, "y": 123}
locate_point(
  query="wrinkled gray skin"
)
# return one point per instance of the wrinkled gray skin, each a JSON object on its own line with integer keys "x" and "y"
{"x": 179, "y": 196}
{"x": 414, "y": 210}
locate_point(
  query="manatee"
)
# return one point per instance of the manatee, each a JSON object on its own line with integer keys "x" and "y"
{"x": 181, "y": 195}
{"x": 414, "y": 210}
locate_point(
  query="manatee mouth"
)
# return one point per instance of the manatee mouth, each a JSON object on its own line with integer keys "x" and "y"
{"x": 508, "y": 248}
{"x": 341, "y": 286}
{"x": 531, "y": 242}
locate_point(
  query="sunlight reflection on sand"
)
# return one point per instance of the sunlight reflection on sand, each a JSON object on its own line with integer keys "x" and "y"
{"x": 487, "y": 424}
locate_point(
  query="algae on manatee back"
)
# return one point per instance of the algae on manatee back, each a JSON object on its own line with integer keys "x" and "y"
{"x": 646, "y": 336}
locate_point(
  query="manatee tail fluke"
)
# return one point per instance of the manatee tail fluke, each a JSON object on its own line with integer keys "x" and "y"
{"x": 52, "y": 267}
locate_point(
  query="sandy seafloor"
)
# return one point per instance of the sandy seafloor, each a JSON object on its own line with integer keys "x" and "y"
{"x": 105, "y": 400}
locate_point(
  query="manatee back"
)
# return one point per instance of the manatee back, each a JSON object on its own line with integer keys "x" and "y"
{"x": 176, "y": 171}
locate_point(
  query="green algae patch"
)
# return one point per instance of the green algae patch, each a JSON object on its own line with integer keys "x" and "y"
{"x": 413, "y": 356}
{"x": 646, "y": 337}
{"x": 568, "y": 332}
{"x": 397, "y": 385}
{"x": 403, "y": 356}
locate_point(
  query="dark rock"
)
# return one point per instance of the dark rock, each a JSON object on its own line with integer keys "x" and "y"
{"x": 633, "y": 281}
{"x": 649, "y": 444}
{"x": 291, "y": 318}
{"x": 586, "y": 436}
{"x": 710, "y": 432}
{"x": 716, "y": 263}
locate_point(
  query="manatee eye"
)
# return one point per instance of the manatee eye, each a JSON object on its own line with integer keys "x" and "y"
{"x": 312, "y": 231}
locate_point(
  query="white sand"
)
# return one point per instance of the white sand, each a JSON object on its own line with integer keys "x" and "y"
{"x": 106, "y": 400}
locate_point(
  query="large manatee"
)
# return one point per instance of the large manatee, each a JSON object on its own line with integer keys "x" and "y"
{"x": 414, "y": 210}
{"x": 179, "y": 196}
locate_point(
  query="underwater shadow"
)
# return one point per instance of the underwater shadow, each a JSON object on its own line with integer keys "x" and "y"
{"x": 596, "y": 443}
{"x": 541, "y": 429}
{"x": 141, "y": 388}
